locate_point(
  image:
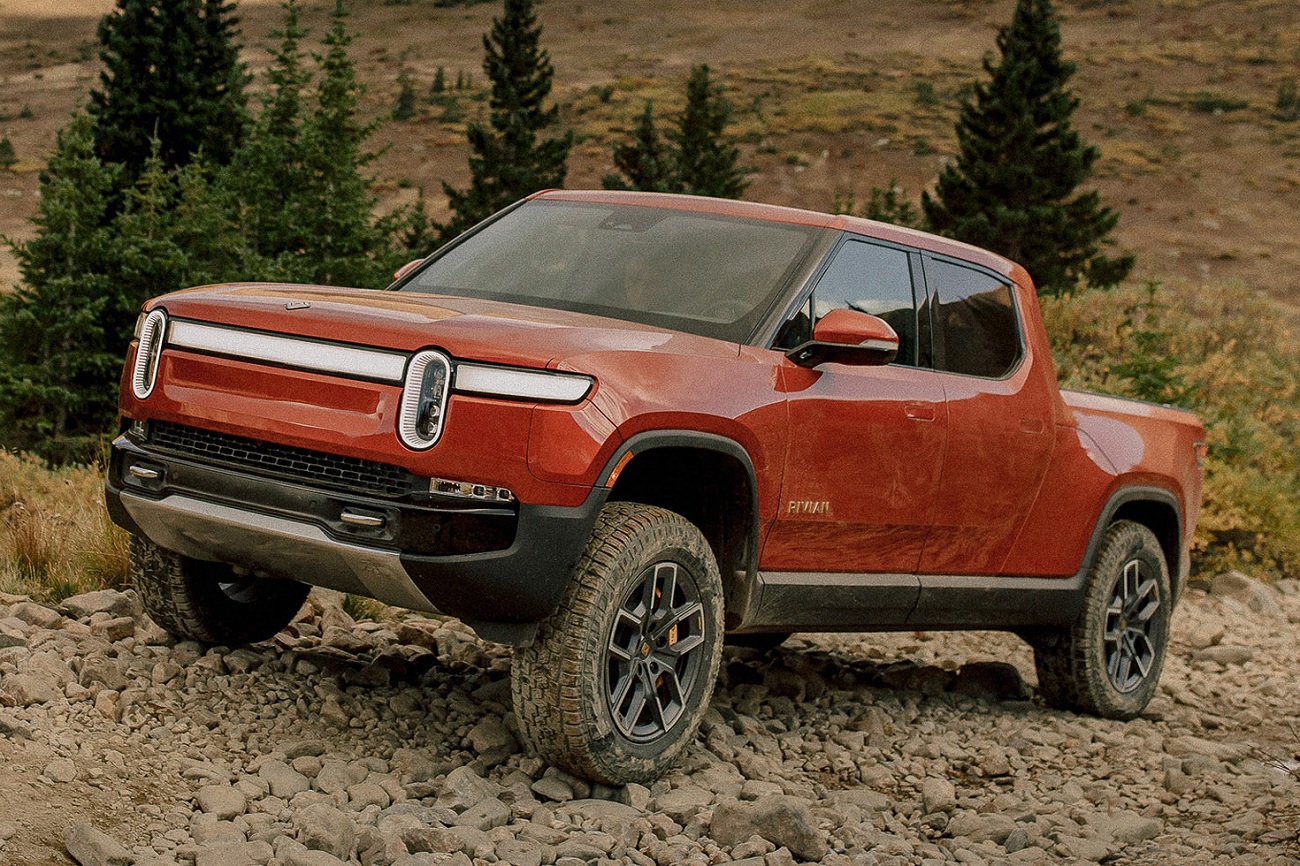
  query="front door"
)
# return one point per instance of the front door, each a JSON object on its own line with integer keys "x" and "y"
{"x": 866, "y": 443}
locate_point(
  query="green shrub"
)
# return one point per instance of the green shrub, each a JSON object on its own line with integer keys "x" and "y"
{"x": 1288, "y": 101}
{"x": 1215, "y": 103}
{"x": 1224, "y": 352}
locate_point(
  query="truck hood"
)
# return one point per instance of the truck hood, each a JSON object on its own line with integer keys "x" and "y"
{"x": 467, "y": 328}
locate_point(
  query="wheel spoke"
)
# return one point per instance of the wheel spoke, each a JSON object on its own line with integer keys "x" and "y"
{"x": 625, "y": 635}
{"x": 682, "y": 648}
{"x": 665, "y": 588}
{"x": 618, "y": 695}
{"x": 637, "y": 695}
{"x": 1119, "y": 666}
{"x": 673, "y": 687}
{"x": 675, "y": 619}
{"x": 1142, "y": 651}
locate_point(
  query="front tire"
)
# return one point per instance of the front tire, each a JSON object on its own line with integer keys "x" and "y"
{"x": 615, "y": 684}
{"x": 208, "y": 601}
{"x": 1108, "y": 663}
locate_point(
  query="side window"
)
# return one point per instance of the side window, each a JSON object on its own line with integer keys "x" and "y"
{"x": 875, "y": 280}
{"x": 975, "y": 326}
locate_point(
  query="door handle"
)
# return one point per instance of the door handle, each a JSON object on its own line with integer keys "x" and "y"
{"x": 1031, "y": 425}
{"x": 919, "y": 411}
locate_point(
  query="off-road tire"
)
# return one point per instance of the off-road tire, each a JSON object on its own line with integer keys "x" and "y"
{"x": 604, "y": 647}
{"x": 207, "y": 601}
{"x": 1108, "y": 663}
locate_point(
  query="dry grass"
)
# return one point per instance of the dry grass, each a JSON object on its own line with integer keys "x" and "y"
{"x": 56, "y": 539}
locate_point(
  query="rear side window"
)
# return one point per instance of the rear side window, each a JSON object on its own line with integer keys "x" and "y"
{"x": 976, "y": 331}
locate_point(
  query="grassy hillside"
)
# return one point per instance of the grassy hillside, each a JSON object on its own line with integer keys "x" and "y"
{"x": 833, "y": 98}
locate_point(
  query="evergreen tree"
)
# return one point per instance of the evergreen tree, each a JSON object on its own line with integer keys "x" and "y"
{"x": 171, "y": 72}
{"x": 508, "y": 160}
{"x": 706, "y": 163}
{"x": 59, "y": 347}
{"x": 175, "y": 230}
{"x": 646, "y": 163}
{"x": 305, "y": 207}
{"x": 268, "y": 176}
{"x": 343, "y": 240}
{"x": 404, "y": 109}
{"x": 890, "y": 205}
{"x": 1012, "y": 187}
{"x": 7, "y": 154}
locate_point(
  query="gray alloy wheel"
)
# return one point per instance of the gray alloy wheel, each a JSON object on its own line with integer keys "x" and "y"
{"x": 655, "y": 653}
{"x": 1132, "y": 626}
{"x": 1108, "y": 663}
{"x": 617, "y": 680}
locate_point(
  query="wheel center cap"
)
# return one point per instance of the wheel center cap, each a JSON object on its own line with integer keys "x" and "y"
{"x": 644, "y": 652}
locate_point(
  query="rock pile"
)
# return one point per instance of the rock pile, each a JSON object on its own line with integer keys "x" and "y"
{"x": 393, "y": 744}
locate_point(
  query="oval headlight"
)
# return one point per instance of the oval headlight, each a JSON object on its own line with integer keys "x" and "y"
{"x": 424, "y": 400}
{"x": 152, "y": 333}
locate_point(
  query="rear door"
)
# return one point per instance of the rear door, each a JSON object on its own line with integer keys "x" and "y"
{"x": 1000, "y": 430}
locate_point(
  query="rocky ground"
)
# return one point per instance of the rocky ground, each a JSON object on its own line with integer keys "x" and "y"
{"x": 393, "y": 743}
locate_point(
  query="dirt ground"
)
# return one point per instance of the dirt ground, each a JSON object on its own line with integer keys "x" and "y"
{"x": 831, "y": 100}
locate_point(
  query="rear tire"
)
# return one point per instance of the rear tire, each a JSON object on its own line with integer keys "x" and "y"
{"x": 208, "y": 601}
{"x": 616, "y": 682}
{"x": 1108, "y": 663}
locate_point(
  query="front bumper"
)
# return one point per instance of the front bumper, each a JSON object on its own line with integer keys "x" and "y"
{"x": 501, "y": 569}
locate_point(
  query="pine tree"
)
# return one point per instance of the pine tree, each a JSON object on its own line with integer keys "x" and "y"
{"x": 344, "y": 242}
{"x": 706, "y": 163}
{"x": 508, "y": 160}
{"x": 305, "y": 206}
{"x": 404, "y": 109}
{"x": 268, "y": 176}
{"x": 59, "y": 347}
{"x": 646, "y": 163}
{"x": 8, "y": 156}
{"x": 1012, "y": 187}
{"x": 171, "y": 72}
{"x": 175, "y": 230}
{"x": 890, "y": 205}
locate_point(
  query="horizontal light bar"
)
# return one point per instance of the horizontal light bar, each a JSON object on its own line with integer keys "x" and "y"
{"x": 292, "y": 352}
{"x": 521, "y": 384}
{"x": 510, "y": 382}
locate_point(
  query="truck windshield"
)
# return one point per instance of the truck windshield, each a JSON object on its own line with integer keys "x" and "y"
{"x": 706, "y": 274}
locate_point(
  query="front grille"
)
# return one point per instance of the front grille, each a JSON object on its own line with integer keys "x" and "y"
{"x": 310, "y": 468}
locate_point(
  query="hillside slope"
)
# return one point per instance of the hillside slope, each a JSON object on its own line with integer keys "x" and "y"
{"x": 832, "y": 99}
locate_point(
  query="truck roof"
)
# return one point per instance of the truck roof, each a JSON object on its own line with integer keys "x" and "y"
{"x": 797, "y": 216}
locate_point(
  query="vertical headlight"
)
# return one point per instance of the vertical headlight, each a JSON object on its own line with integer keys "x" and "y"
{"x": 152, "y": 334}
{"x": 424, "y": 400}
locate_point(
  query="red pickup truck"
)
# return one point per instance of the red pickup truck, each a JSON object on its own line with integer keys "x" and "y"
{"x": 611, "y": 428}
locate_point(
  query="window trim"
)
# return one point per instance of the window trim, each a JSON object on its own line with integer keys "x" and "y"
{"x": 1022, "y": 356}
{"x": 920, "y": 292}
